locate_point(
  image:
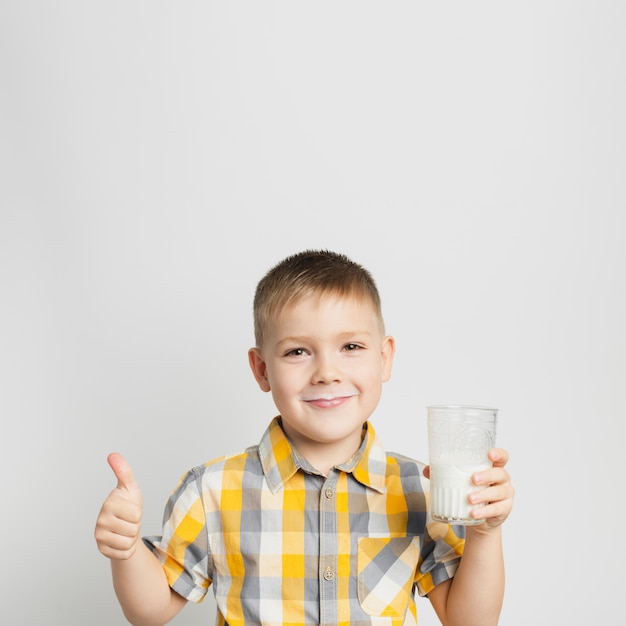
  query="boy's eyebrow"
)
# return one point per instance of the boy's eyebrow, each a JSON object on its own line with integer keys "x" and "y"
{"x": 293, "y": 339}
{"x": 348, "y": 334}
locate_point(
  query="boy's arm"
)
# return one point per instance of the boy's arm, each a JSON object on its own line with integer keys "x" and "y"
{"x": 143, "y": 591}
{"x": 473, "y": 597}
{"x": 138, "y": 577}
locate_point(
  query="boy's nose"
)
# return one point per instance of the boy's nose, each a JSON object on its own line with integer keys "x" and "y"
{"x": 326, "y": 370}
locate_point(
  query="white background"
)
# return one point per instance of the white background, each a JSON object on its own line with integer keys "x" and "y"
{"x": 156, "y": 158}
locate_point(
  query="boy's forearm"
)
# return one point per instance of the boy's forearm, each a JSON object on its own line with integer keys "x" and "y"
{"x": 477, "y": 589}
{"x": 142, "y": 589}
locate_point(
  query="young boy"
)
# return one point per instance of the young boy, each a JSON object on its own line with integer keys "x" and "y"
{"x": 316, "y": 524}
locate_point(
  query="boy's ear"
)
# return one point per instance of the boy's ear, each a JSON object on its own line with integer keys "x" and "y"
{"x": 387, "y": 352}
{"x": 259, "y": 368}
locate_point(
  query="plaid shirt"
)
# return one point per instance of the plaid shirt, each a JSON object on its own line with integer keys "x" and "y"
{"x": 283, "y": 544}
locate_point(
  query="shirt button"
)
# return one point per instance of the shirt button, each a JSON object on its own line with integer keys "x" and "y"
{"x": 329, "y": 493}
{"x": 329, "y": 574}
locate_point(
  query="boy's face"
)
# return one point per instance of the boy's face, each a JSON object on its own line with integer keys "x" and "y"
{"x": 324, "y": 359}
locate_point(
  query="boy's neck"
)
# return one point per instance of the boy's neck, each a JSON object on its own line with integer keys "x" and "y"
{"x": 324, "y": 456}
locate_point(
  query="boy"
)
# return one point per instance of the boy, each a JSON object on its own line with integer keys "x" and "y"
{"x": 317, "y": 524}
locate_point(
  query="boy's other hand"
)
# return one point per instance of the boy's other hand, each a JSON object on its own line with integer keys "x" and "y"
{"x": 118, "y": 525}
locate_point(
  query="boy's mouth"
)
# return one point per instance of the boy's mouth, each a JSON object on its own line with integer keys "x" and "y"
{"x": 327, "y": 400}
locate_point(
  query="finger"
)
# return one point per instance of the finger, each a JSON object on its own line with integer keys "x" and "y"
{"x": 493, "y": 513}
{"x": 120, "y": 506}
{"x": 494, "y": 476}
{"x": 119, "y": 530}
{"x": 498, "y": 456}
{"x": 116, "y": 546}
{"x": 123, "y": 473}
{"x": 496, "y": 510}
{"x": 116, "y": 554}
{"x": 492, "y": 494}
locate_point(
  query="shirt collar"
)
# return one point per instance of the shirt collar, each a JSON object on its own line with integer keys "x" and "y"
{"x": 280, "y": 461}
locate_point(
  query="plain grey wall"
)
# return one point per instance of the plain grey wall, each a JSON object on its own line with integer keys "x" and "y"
{"x": 157, "y": 157}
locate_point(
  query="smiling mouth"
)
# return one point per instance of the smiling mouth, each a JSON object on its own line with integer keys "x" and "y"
{"x": 328, "y": 400}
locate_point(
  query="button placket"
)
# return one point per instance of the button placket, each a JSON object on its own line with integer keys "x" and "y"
{"x": 328, "y": 550}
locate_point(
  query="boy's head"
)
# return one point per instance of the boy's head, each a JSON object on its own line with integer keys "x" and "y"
{"x": 321, "y": 351}
{"x": 311, "y": 272}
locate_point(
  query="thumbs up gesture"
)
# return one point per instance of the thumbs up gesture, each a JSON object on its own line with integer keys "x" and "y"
{"x": 118, "y": 525}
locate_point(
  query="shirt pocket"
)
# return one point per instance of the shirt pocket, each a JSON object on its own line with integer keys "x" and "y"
{"x": 385, "y": 570}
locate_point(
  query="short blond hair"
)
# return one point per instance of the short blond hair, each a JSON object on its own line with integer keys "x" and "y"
{"x": 307, "y": 272}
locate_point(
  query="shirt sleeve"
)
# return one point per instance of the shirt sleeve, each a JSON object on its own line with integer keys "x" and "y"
{"x": 441, "y": 551}
{"x": 183, "y": 546}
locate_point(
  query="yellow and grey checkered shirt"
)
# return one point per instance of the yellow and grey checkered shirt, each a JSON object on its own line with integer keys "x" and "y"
{"x": 282, "y": 544}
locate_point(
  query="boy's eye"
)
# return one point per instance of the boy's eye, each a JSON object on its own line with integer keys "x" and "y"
{"x": 351, "y": 346}
{"x": 296, "y": 352}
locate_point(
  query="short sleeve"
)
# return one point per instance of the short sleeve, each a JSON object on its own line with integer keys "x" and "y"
{"x": 440, "y": 555}
{"x": 183, "y": 546}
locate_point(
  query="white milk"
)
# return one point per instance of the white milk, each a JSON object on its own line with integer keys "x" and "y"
{"x": 449, "y": 488}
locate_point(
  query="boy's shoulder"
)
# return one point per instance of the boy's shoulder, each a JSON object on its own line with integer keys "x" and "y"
{"x": 241, "y": 461}
{"x": 407, "y": 465}
{"x": 230, "y": 461}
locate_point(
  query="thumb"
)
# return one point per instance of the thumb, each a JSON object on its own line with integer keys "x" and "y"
{"x": 123, "y": 473}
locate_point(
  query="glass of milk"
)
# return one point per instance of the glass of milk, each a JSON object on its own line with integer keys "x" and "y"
{"x": 459, "y": 438}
